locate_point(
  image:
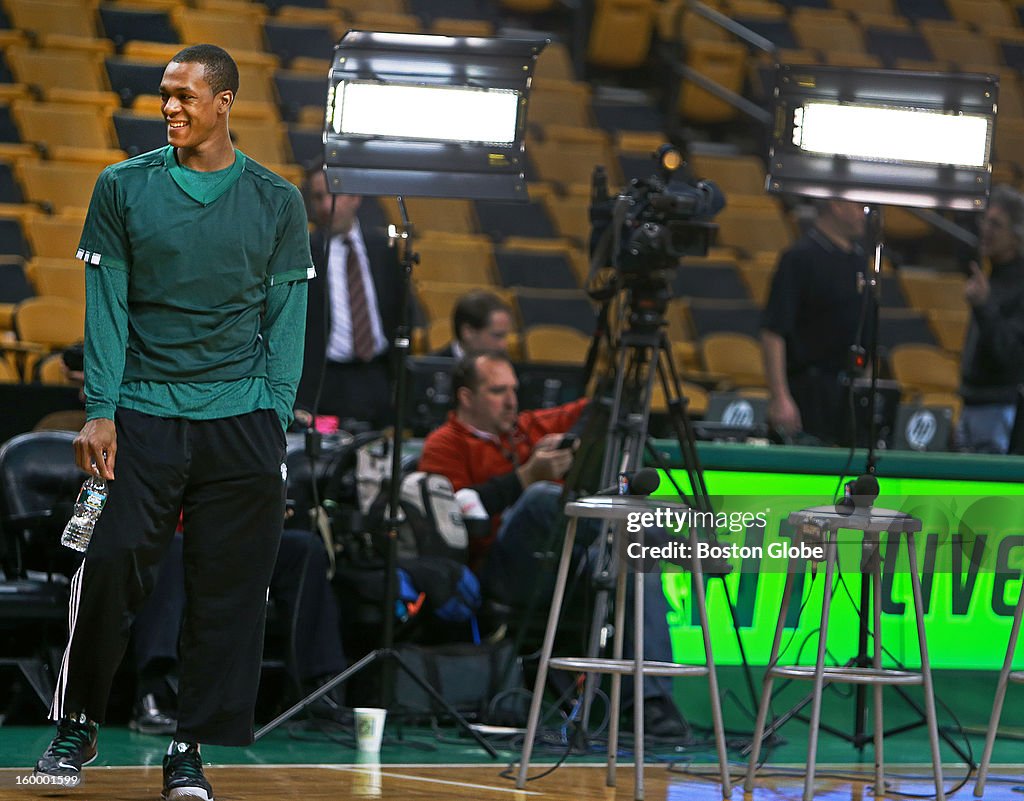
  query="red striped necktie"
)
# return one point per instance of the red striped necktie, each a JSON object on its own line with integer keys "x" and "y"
{"x": 362, "y": 331}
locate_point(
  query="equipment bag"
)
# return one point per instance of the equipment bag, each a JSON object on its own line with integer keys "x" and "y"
{"x": 433, "y": 518}
{"x": 482, "y": 682}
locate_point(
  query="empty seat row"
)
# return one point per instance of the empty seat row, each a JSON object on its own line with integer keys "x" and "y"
{"x": 237, "y": 25}
{"x": 532, "y": 306}
{"x": 42, "y": 324}
{"x": 293, "y": 96}
{"x": 895, "y": 42}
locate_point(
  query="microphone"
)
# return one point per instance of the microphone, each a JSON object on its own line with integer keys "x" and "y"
{"x": 858, "y": 494}
{"x": 640, "y": 482}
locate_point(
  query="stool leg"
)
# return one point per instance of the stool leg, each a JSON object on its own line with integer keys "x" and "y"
{"x": 716, "y": 703}
{"x": 876, "y": 605}
{"x": 638, "y": 682}
{"x": 819, "y": 667}
{"x": 997, "y": 704}
{"x": 615, "y": 701}
{"x": 926, "y": 671}
{"x": 766, "y": 684}
{"x": 545, "y": 654}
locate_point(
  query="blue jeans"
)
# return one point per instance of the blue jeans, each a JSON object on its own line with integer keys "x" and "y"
{"x": 986, "y": 428}
{"x": 517, "y": 566}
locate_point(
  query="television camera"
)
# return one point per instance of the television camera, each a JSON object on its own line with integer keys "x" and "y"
{"x": 644, "y": 231}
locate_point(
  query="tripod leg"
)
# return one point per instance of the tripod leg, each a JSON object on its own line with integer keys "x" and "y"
{"x": 602, "y": 575}
{"x": 638, "y": 679}
{"x": 351, "y": 670}
{"x": 819, "y": 667}
{"x": 716, "y": 702}
{"x": 615, "y": 702}
{"x": 926, "y": 671}
{"x": 37, "y": 675}
{"x": 545, "y": 654}
{"x": 766, "y": 686}
{"x": 875, "y": 576}
{"x": 997, "y": 704}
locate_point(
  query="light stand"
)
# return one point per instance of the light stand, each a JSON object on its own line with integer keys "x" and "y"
{"x": 873, "y": 297}
{"x": 387, "y": 655}
{"x": 436, "y": 116}
{"x": 880, "y": 136}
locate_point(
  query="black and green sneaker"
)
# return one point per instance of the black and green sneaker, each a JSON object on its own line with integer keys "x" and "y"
{"x": 72, "y": 748}
{"x": 183, "y": 774}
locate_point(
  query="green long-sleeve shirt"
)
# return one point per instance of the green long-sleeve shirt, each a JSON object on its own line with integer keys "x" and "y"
{"x": 195, "y": 290}
{"x": 106, "y": 337}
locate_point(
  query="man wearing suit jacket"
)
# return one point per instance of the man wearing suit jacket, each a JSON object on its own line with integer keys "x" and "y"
{"x": 351, "y": 314}
{"x": 481, "y": 321}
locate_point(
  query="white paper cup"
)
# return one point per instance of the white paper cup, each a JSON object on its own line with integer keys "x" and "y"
{"x": 369, "y": 728}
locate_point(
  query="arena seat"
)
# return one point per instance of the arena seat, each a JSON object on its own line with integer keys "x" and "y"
{"x": 555, "y": 344}
{"x": 620, "y": 33}
{"x": 41, "y": 17}
{"x": 128, "y": 23}
{"x": 53, "y": 124}
{"x": 58, "y": 278}
{"x": 458, "y": 259}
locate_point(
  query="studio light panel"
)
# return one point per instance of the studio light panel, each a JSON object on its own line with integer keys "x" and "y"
{"x": 883, "y": 136}
{"x": 428, "y": 115}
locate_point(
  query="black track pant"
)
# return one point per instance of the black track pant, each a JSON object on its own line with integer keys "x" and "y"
{"x": 227, "y": 477}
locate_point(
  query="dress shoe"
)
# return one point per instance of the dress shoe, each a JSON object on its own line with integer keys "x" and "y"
{"x": 149, "y": 718}
{"x": 330, "y": 706}
{"x": 662, "y": 720}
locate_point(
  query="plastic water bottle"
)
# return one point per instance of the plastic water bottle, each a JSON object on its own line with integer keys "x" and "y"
{"x": 91, "y": 499}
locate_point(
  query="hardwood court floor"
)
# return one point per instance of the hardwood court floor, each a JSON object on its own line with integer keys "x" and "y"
{"x": 422, "y": 764}
{"x": 393, "y": 782}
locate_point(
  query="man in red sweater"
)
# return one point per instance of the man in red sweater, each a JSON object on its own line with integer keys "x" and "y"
{"x": 511, "y": 459}
{"x": 489, "y": 446}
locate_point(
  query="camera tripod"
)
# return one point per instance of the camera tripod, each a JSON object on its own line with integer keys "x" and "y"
{"x": 643, "y": 361}
{"x": 642, "y": 357}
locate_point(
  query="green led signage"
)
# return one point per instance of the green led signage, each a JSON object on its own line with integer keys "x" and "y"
{"x": 970, "y": 555}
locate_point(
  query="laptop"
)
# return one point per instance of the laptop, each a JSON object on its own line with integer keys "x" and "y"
{"x": 734, "y": 409}
{"x": 732, "y": 416}
{"x": 923, "y": 428}
{"x": 429, "y": 392}
{"x": 542, "y": 386}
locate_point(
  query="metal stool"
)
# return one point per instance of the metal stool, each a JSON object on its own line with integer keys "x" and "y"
{"x": 617, "y": 509}
{"x": 1005, "y": 676}
{"x": 868, "y": 521}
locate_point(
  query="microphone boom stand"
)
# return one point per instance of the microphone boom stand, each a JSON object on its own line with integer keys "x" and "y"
{"x": 859, "y": 738}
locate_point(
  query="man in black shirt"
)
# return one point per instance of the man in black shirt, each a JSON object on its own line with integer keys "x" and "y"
{"x": 812, "y": 320}
{"x": 992, "y": 362}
